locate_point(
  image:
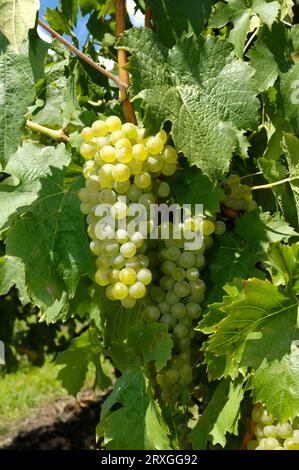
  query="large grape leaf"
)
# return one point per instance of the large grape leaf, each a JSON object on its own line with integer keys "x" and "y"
{"x": 190, "y": 186}
{"x": 50, "y": 238}
{"x": 245, "y": 16}
{"x": 172, "y": 18}
{"x": 16, "y": 18}
{"x": 207, "y": 94}
{"x": 236, "y": 253}
{"x": 285, "y": 260}
{"x": 83, "y": 351}
{"x": 270, "y": 55}
{"x": 221, "y": 416}
{"x": 27, "y": 166}
{"x": 277, "y": 386}
{"x": 16, "y": 94}
{"x": 138, "y": 424}
{"x": 291, "y": 150}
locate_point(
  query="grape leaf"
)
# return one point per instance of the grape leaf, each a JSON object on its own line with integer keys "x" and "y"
{"x": 58, "y": 21}
{"x": 16, "y": 94}
{"x": 221, "y": 416}
{"x": 12, "y": 273}
{"x": 59, "y": 98}
{"x": 27, "y": 166}
{"x": 285, "y": 259}
{"x": 190, "y": 186}
{"x": 291, "y": 149}
{"x": 69, "y": 9}
{"x": 235, "y": 254}
{"x": 16, "y": 18}
{"x": 243, "y": 16}
{"x": 50, "y": 239}
{"x": 85, "y": 349}
{"x": 207, "y": 94}
{"x": 152, "y": 342}
{"x": 138, "y": 424}
{"x": 37, "y": 54}
{"x": 289, "y": 85}
{"x": 263, "y": 303}
{"x": 172, "y": 18}
{"x": 277, "y": 386}
{"x": 86, "y": 6}
{"x": 270, "y": 55}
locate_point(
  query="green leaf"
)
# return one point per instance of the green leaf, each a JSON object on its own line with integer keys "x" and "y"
{"x": 291, "y": 149}
{"x": 16, "y": 94}
{"x": 138, "y": 424}
{"x": 220, "y": 417}
{"x": 235, "y": 254}
{"x": 59, "y": 100}
{"x": 285, "y": 260}
{"x": 83, "y": 351}
{"x": 12, "y": 273}
{"x": 190, "y": 186}
{"x": 243, "y": 17}
{"x": 69, "y": 9}
{"x": 27, "y": 167}
{"x": 290, "y": 96}
{"x": 58, "y": 21}
{"x": 270, "y": 55}
{"x": 50, "y": 239}
{"x": 277, "y": 386}
{"x": 37, "y": 54}
{"x": 86, "y": 6}
{"x": 207, "y": 94}
{"x": 172, "y": 18}
{"x": 152, "y": 342}
{"x": 16, "y": 18}
{"x": 264, "y": 310}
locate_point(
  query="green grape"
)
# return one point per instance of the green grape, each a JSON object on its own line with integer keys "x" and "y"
{"x": 170, "y": 155}
{"x": 121, "y": 188}
{"x": 154, "y": 164}
{"x": 163, "y": 189}
{"x": 140, "y": 152}
{"x": 169, "y": 169}
{"x": 181, "y": 331}
{"x": 268, "y": 443}
{"x": 128, "y": 249}
{"x": 163, "y": 136}
{"x": 121, "y": 172}
{"x": 129, "y": 130}
{"x": 115, "y": 136}
{"x": 102, "y": 277}
{"x": 119, "y": 210}
{"x": 121, "y": 235}
{"x": 119, "y": 291}
{"x": 124, "y": 155}
{"x": 114, "y": 275}
{"x": 168, "y": 267}
{"x": 171, "y": 376}
{"x": 171, "y": 298}
{"x": 270, "y": 431}
{"x": 107, "y": 196}
{"x": 233, "y": 181}
{"x": 127, "y": 276}
{"x": 291, "y": 444}
{"x": 164, "y": 307}
{"x": 283, "y": 431}
{"x": 100, "y": 128}
{"x": 192, "y": 274}
{"x": 88, "y": 151}
{"x": 193, "y": 310}
{"x": 187, "y": 260}
{"x": 220, "y": 227}
{"x": 207, "y": 227}
{"x": 87, "y": 134}
{"x": 154, "y": 145}
{"x": 113, "y": 123}
{"x": 134, "y": 193}
{"x": 151, "y": 314}
{"x": 178, "y": 310}
{"x": 173, "y": 253}
{"x": 128, "y": 302}
{"x": 143, "y": 180}
{"x": 144, "y": 276}
{"x": 137, "y": 290}
{"x": 168, "y": 319}
{"x": 181, "y": 289}
{"x": 178, "y": 274}
{"x": 118, "y": 261}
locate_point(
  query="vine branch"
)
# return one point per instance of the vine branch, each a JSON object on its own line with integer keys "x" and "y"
{"x": 54, "y": 134}
{"x": 122, "y": 60}
{"x": 276, "y": 183}
{"x": 121, "y": 85}
{"x": 148, "y": 17}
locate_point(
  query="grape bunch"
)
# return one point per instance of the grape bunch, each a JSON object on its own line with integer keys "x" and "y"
{"x": 269, "y": 435}
{"x": 238, "y": 196}
{"x": 175, "y": 297}
{"x": 122, "y": 168}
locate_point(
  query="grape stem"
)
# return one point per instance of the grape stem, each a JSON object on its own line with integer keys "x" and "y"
{"x": 276, "y": 183}
{"x": 121, "y": 85}
{"x": 54, "y": 134}
{"x": 250, "y": 40}
{"x": 122, "y": 61}
{"x": 147, "y": 17}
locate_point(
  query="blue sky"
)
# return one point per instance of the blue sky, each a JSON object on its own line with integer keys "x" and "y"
{"x": 80, "y": 31}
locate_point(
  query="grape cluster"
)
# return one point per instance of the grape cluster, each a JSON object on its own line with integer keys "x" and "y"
{"x": 175, "y": 297}
{"x": 238, "y": 196}
{"x": 122, "y": 168}
{"x": 269, "y": 435}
